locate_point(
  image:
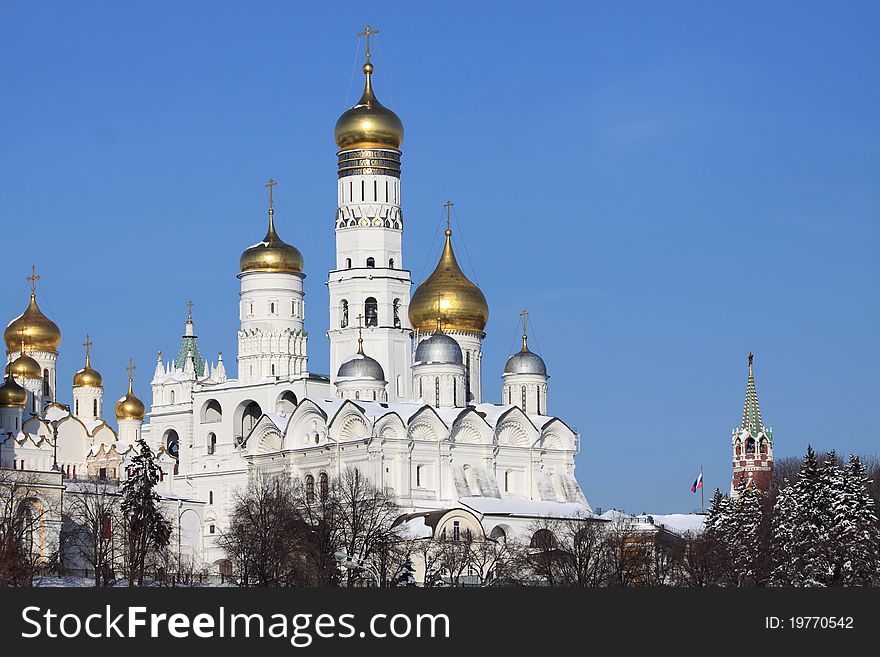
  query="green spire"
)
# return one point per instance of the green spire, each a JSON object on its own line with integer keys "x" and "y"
{"x": 751, "y": 419}
{"x": 190, "y": 346}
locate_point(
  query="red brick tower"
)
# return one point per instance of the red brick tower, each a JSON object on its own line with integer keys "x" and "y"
{"x": 752, "y": 442}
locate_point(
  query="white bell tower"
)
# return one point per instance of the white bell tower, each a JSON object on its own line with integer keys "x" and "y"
{"x": 369, "y": 277}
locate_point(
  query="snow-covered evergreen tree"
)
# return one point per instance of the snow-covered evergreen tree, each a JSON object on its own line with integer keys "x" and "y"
{"x": 782, "y": 528}
{"x": 744, "y": 534}
{"x": 854, "y": 531}
{"x": 146, "y": 530}
{"x": 405, "y": 576}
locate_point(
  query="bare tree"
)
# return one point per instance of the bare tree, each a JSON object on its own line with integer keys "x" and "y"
{"x": 92, "y": 521}
{"x": 266, "y": 535}
{"x": 26, "y": 509}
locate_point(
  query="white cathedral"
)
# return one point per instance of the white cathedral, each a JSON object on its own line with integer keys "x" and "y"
{"x": 403, "y": 403}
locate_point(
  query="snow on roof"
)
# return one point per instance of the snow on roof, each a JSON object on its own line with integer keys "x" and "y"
{"x": 415, "y": 528}
{"x": 54, "y": 412}
{"x": 529, "y": 508}
{"x": 681, "y": 523}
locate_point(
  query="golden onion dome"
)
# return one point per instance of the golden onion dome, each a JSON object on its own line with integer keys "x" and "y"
{"x": 368, "y": 124}
{"x": 88, "y": 377}
{"x": 41, "y": 333}
{"x": 130, "y": 407}
{"x": 462, "y": 305}
{"x": 272, "y": 254}
{"x": 12, "y": 395}
{"x": 25, "y": 367}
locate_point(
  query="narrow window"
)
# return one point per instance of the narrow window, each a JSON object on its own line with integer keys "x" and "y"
{"x": 310, "y": 489}
{"x": 421, "y": 394}
{"x": 212, "y": 529}
{"x": 343, "y": 322}
{"x": 273, "y": 369}
{"x": 418, "y": 476}
{"x": 524, "y": 399}
{"x": 456, "y": 530}
{"x": 436, "y": 391}
{"x": 272, "y": 308}
{"x": 363, "y": 192}
{"x": 172, "y": 396}
{"x": 76, "y": 406}
{"x": 371, "y": 263}
{"x": 95, "y": 407}
{"x": 357, "y": 394}
{"x": 538, "y": 398}
{"x": 348, "y": 263}
{"x": 454, "y": 392}
{"x": 45, "y": 383}
{"x": 467, "y": 375}
{"x": 212, "y": 443}
{"x": 390, "y": 263}
{"x": 371, "y": 312}
{"x": 396, "y": 308}
{"x": 210, "y": 497}
{"x": 386, "y": 191}
{"x": 323, "y": 486}
{"x": 375, "y": 190}
{"x": 350, "y": 191}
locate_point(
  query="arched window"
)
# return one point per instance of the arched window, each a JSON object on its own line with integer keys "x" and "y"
{"x": 212, "y": 412}
{"x": 750, "y": 445}
{"x": 455, "y": 392}
{"x": 172, "y": 442}
{"x": 357, "y": 394}
{"x": 544, "y": 539}
{"x": 538, "y": 402}
{"x": 249, "y": 418}
{"x": 390, "y": 263}
{"x": 396, "y": 307}
{"x": 374, "y": 395}
{"x": 763, "y": 445}
{"x": 371, "y": 312}
{"x": 348, "y": 263}
{"x": 498, "y": 534}
{"x": 212, "y": 443}
{"x": 419, "y": 483}
{"x": 310, "y": 489}
{"x": 286, "y": 402}
{"x": 738, "y": 447}
{"x": 371, "y": 263}
{"x": 172, "y": 396}
{"x": 507, "y": 478}
{"x": 323, "y": 486}
{"x": 343, "y": 322}
{"x": 45, "y": 383}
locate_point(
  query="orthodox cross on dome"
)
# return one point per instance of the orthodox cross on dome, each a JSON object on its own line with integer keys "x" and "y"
{"x": 525, "y": 315}
{"x": 448, "y": 205}
{"x": 368, "y": 32}
{"x": 270, "y": 185}
{"x": 88, "y": 345}
{"x": 33, "y": 278}
{"x": 131, "y": 368}
{"x": 360, "y": 318}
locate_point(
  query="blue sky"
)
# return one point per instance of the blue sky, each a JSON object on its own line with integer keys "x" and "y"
{"x": 664, "y": 186}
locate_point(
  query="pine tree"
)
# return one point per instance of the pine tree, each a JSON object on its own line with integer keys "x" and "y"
{"x": 782, "y": 529}
{"x": 810, "y": 523}
{"x": 854, "y": 531}
{"x": 405, "y": 576}
{"x": 744, "y": 535}
{"x": 146, "y": 528}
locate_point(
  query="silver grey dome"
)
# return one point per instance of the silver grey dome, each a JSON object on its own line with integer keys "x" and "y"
{"x": 525, "y": 362}
{"x": 439, "y": 348}
{"x": 361, "y": 366}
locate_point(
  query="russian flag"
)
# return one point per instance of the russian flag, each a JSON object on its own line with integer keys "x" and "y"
{"x": 698, "y": 483}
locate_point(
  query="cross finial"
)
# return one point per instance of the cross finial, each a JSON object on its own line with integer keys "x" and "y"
{"x": 368, "y": 32}
{"x": 525, "y": 315}
{"x": 33, "y": 278}
{"x": 189, "y": 309}
{"x": 131, "y": 368}
{"x": 751, "y": 357}
{"x": 22, "y": 332}
{"x": 448, "y": 205}
{"x": 88, "y": 345}
{"x": 360, "y": 335}
{"x": 270, "y": 185}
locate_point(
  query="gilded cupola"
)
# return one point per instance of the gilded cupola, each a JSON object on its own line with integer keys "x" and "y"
{"x": 130, "y": 407}
{"x": 368, "y": 124}
{"x": 87, "y": 377}
{"x": 25, "y": 367}
{"x": 12, "y": 395}
{"x": 41, "y": 333}
{"x": 272, "y": 254}
{"x": 460, "y": 303}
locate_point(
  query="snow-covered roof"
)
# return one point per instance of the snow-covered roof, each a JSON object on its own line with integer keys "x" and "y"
{"x": 681, "y": 523}
{"x": 415, "y": 528}
{"x": 495, "y": 506}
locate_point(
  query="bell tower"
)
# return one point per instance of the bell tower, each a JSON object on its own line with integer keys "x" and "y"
{"x": 752, "y": 442}
{"x": 369, "y": 277}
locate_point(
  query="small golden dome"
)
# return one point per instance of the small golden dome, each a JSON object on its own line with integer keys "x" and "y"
{"x": 88, "y": 377}
{"x": 368, "y": 124}
{"x": 462, "y": 305}
{"x": 130, "y": 407}
{"x": 12, "y": 395}
{"x": 272, "y": 254}
{"x": 41, "y": 333}
{"x": 25, "y": 367}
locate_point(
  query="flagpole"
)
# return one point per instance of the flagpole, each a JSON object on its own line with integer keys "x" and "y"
{"x": 702, "y": 494}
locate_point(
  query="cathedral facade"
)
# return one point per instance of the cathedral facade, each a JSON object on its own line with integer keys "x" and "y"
{"x": 402, "y": 403}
